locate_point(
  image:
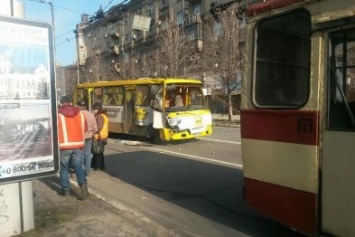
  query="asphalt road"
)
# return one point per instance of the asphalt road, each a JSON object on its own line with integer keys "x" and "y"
{"x": 183, "y": 189}
{"x": 192, "y": 188}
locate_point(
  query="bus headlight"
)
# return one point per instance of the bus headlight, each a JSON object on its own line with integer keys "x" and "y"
{"x": 173, "y": 122}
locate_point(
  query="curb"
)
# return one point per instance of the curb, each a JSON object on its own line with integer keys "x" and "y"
{"x": 225, "y": 123}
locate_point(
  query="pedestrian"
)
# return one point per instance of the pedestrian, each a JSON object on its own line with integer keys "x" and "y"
{"x": 98, "y": 161}
{"x": 71, "y": 130}
{"x": 91, "y": 129}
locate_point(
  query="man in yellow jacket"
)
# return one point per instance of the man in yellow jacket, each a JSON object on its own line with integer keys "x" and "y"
{"x": 71, "y": 130}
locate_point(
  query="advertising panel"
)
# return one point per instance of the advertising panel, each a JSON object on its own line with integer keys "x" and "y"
{"x": 28, "y": 127}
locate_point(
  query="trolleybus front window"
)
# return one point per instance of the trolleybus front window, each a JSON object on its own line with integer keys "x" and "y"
{"x": 282, "y": 60}
{"x": 342, "y": 81}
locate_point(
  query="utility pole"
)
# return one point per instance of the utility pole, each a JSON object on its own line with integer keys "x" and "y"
{"x": 17, "y": 197}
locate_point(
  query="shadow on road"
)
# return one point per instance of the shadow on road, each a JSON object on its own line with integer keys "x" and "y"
{"x": 210, "y": 190}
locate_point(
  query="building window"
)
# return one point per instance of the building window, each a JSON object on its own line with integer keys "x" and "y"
{"x": 180, "y": 18}
{"x": 127, "y": 38}
{"x": 150, "y": 9}
{"x": 126, "y": 58}
{"x": 198, "y": 9}
{"x": 217, "y": 29}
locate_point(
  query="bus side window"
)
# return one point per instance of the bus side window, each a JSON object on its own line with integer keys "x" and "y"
{"x": 98, "y": 95}
{"x": 117, "y": 95}
{"x": 142, "y": 93}
{"x": 80, "y": 94}
{"x": 105, "y": 99}
{"x": 156, "y": 96}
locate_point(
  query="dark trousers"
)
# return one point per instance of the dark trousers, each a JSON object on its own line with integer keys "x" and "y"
{"x": 98, "y": 161}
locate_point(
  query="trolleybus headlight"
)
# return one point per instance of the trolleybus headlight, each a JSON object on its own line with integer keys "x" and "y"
{"x": 173, "y": 122}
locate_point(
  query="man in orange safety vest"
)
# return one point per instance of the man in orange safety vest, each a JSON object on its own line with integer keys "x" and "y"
{"x": 71, "y": 130}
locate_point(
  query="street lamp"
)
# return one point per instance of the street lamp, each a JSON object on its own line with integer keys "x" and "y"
{"x": 52, "y": 15}
{"x": 50, "y": 4}
{"x": 53, "y": 31}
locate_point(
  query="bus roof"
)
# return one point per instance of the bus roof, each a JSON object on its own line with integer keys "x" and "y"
{"x": 141, "y": 81}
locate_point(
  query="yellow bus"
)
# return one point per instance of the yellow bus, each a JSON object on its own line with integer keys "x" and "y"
{"x": 163, "y": 109}
{"x": 297, "y": 114}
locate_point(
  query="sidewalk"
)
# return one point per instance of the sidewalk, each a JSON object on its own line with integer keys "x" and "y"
{"x": 219, "y": 120}
{"x": 95, "y": 217}
{"x": 57, "y": 216}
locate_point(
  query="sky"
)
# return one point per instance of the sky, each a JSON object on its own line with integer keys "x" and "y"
{"x": 67, "y": 14}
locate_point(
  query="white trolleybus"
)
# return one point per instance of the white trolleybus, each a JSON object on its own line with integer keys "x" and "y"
{"x": 297, "y": 115}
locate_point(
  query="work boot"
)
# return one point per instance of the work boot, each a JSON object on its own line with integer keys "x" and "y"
{"x": 64, "y": 193}
{"x": 84, "y": 192}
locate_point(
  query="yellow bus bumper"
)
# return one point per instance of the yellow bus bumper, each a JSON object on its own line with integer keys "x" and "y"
{"x": 168, "y": 134}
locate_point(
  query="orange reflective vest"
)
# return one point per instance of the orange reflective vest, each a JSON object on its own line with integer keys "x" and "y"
{"x": 71, "y": 131}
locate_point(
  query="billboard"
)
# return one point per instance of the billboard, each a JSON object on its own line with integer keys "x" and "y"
{"x": 28, "y": 111}
{"x": 141, "y": 22}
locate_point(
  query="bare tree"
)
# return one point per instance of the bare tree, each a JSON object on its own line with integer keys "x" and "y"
{"x": 151, "y": 64}
{"x": 175, "y": 47}
{"x": 221, "y": 55}
{"x": 69, "y": 79}
{"x": 95, "y": 68}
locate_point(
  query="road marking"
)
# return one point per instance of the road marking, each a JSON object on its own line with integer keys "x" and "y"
{"x": 219, "y": 140}
{"x": 239, "y": 166}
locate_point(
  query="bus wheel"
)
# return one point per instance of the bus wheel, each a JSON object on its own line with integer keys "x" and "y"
{"x": 156, "y": 137}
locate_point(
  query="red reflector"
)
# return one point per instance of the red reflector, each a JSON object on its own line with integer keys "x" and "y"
{"x": 269, "y": 5}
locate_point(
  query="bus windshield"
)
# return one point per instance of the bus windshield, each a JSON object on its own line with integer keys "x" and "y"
{"x": 180, "y": 97}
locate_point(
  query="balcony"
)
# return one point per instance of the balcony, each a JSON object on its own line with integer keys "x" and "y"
{"x": 164, "y": 11}
{"x": 115, "y": 49}
{"x": 114, "y": 33}
{"x": 193, "y": 19}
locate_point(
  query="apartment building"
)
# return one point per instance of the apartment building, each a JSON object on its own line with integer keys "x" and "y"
{"x": 121, "y": 42}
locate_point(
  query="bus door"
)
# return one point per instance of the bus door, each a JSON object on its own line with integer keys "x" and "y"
{"x": 89, "y": 97}
{"x": 338, "y": 150}
{"x": 85, "y": 94}
{"x": 129, "y": 104}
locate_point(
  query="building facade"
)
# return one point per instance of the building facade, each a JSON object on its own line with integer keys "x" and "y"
{"x": 126, "y": 42}
{"x": 121, "y": 42}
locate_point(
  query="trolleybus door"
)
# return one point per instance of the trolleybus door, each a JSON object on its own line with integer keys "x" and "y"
{"x": 338, "y": 143}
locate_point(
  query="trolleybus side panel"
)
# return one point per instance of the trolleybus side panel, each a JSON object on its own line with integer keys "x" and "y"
{"x": 286, "y": 141}
{"x": 293, "y": 126}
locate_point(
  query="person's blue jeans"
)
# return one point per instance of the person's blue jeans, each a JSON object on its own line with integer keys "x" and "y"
{"x": 87, "y": 156}
{"x": 74, "y": 159}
